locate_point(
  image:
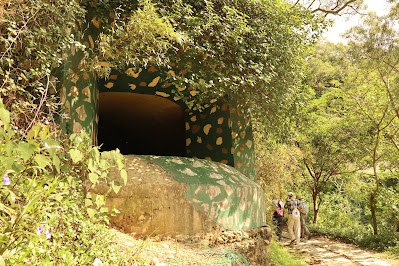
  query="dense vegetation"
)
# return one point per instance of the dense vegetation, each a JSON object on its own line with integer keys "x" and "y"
{"x": 344, "y": 156}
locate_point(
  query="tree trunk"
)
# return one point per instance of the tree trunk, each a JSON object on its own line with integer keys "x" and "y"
{"x": 315, "y": 205}
{"x": 374, "y": 193}
{"x": 315, "y": 215}
{"x": 373, "y": 213}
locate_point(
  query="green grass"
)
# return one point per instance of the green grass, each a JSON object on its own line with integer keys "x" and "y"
{"x": 280, "y": 256}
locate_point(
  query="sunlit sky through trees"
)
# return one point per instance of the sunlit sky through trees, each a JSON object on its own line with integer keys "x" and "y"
{"x": 345, "y": 22}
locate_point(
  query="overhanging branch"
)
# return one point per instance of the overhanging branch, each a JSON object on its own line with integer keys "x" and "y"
{"x": 335, "y": 10}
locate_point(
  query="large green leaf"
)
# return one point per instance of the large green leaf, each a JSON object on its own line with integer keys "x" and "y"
{"x": 91, "y": 212}
{"x": 42, "y": 160}
{"x": 34, "y": 132}
{"x": 115, "y": 186}
{"x": 91, "y": 166}
{"x": 124, "y": 175}
{"x": 57, "y": 163}
{"x": 25, "y": 150}
{"x": 6, "y": 162}
{"x": 76, "y": 155}
{"x": 88, "y": 202}
{"x": 4, "y": 116}
{"x": 52, "y": 146}
{"x": 93, "y": 177}
{"x": 9, "y": 147}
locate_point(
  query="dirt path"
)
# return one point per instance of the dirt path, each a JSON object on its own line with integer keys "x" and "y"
{"x": 317, "y": 251}
{"x": 323, "y": 251}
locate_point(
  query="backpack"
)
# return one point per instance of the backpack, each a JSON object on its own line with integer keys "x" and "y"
{"x": 294, "y": 207}
{"x": 295, "y": 212}
{"x": 278, "y": 212}
{"x": 303, "y": 208}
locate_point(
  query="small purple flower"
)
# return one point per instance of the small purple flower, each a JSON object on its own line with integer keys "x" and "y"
{"x": 40, "y": 229}
{"x": 6, "y": 180}
{"x": 48, "y": 234}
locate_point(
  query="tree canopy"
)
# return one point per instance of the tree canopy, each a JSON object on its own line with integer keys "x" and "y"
{"x": 252, "y": 51}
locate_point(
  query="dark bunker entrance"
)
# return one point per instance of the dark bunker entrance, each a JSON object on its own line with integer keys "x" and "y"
{"x": 141, "y": 124}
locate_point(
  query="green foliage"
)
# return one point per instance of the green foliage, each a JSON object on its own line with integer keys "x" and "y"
{"x": 323, "y": 8}
{"x": 143, "y": 38}
{"x": 345, "y": 124}
{"x": 45, "y": 215}
{"x": 34, "y": 36}
{"x": 384, "y": 241}
{"x": 348, "y": 134}
{"x": 328, "y": 143}
{"x": 252, "y": 51}
{"x": 327, "y": 67}
{"x": 340, "y": 214}
{"x": 345, "y": 214}
{"x": 277, "y": 166}
{"x": 280, "y": 256}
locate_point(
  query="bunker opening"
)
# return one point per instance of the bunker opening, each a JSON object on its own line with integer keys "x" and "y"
{"x": 141, "y": 124}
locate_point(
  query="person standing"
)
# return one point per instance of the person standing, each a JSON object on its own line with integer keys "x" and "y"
{"x": 294, "y": 219}
{"x": 303, "y": 209}
{"x": 278, "y": 215}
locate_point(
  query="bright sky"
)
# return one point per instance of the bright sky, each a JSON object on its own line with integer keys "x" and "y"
{"x": 343, "y": 23}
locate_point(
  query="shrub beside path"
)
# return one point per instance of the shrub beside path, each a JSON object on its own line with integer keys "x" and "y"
{"x": 324, "y": 251}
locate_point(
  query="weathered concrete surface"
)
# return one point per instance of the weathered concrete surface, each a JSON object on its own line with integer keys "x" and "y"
{"x": 153, "y": 203}
{"x": 175, "y": 195}
{"x": 224, "y": 194}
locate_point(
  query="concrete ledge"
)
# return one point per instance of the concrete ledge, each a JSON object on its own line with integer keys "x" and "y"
{"x": 173, "y": 195}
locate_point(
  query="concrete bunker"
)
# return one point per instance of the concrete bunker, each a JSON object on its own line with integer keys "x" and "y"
{"x": 141, "y": 124}
{"x": 117, "y": 110}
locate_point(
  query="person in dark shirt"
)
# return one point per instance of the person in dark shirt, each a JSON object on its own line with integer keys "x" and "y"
{"x": 278, "y": 216}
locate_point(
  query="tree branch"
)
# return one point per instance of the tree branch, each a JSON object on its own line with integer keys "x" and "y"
{"x": 335, "y": 10}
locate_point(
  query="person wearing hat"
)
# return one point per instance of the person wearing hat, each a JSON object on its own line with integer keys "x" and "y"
{"x": 294, "y": 219}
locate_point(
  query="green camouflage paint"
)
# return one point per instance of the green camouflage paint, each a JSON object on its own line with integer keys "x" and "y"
{"x": 220, "y": 133}
{"x": 224, "y": 194}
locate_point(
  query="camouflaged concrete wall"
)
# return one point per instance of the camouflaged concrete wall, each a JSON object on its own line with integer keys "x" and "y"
{"x": 220, "y": 133}
{"x": 79, "y": 92}
{"x": 209, "y": 134}
{"x": 243, "y": 142}
{"x": 224, "y": 194}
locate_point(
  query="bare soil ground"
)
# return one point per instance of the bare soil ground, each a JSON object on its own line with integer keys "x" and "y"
{"x": 171, "y": 251}
{"x": 324, "y": 251}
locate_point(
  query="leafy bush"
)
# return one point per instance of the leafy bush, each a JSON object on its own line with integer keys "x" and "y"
{"x": 384, "y": 241}
{"x": 342, "y": 219}
{"x": 46, "y": 217}
{"x": 34, "y": 37}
